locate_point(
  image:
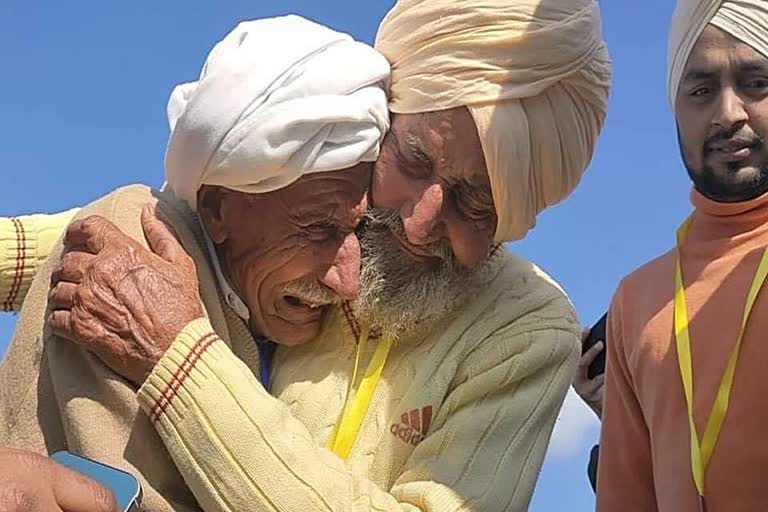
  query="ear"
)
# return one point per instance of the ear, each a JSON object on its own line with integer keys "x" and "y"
{"x": 210, "y": 206}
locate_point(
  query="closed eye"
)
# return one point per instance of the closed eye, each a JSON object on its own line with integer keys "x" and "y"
{"x": 320, "y": 231}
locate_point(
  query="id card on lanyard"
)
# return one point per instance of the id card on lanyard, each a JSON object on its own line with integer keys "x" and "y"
{"x": 701, "y": 453}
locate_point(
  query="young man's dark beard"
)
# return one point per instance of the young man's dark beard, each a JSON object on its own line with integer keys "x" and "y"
{"x": 714, "y": 187}
{"x": 399, "y": 294}
{"x": 724, "y": 190}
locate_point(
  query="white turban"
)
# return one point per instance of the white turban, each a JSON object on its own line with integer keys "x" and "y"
{"x": 535, "y": 75}
{"x": 746, "y": 20}
{"x": 276, "y": 99}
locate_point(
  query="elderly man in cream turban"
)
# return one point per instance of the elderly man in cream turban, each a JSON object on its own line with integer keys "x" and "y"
{"x": 684, "y": 416}
{"x": 411, "y": 397}
{"x": 496, "y": 108}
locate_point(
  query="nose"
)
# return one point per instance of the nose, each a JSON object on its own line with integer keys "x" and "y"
{"x": 343, "y": 276}
{"x": 421, "y": 223}
{"x": 730, "y": 110}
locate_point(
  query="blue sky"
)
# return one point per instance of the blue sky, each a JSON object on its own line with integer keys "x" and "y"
{"x": 83, "y": 90}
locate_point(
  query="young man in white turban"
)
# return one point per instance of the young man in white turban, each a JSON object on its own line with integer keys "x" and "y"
{"x": 684, "y": 416}
{"x": 458, "y": 382}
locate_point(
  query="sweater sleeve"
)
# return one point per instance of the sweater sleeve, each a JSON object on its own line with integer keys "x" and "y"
{"x": 241, "y": 449}
{"x": 25, "y": 242}
{"x": 624, "y": 474}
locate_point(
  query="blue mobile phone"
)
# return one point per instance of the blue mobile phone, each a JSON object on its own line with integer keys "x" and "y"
{"x": 124, "y": 486}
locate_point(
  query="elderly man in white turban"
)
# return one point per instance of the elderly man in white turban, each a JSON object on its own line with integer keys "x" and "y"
{"x": 684, "y": 414}
{"x": 412, "y": 397}
{"x": 268, "y": 167}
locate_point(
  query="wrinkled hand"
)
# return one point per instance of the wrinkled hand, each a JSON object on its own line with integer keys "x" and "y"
{"x": 32, "y": 483}
{"x": 121, "y": 301}
{"x": 590, "y": 390}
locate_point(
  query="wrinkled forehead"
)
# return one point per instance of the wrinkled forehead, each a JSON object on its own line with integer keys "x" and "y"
{"x": 330, "y": 191}
{"x": 442, "y": 140}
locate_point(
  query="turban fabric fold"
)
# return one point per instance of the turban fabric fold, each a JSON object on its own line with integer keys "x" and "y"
{"x": 277, "y": 98}
{"x": 746, "y": 20}
{"x": 534, "y": 74}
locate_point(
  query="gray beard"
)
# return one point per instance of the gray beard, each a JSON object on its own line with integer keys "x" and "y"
{"x": 400, "y": 295}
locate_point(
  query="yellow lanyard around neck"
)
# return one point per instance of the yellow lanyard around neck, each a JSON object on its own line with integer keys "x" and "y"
{"x": 352, "y": 414}
{"x": 700, "y": 454}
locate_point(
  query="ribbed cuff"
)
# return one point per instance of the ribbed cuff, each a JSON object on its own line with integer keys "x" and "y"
{"x": 18, "y": 261}
{"x": 48, "y": 229}
{"x": 184, "y": 360}
{"x": 25, "y": 243}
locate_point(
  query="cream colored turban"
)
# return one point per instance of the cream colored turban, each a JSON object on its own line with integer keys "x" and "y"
{"x": 746, "y": 20}
{"x": 535, "y": 75}
{"x": 277, "y": 98}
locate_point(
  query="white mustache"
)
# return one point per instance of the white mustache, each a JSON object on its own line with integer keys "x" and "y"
{"x": 311, "y": 293}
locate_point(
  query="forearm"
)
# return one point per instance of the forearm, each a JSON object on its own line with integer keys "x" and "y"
{"x": 25, "y": 243}
{"x": 208, "y": 407}
{"x": 241, "y": 449}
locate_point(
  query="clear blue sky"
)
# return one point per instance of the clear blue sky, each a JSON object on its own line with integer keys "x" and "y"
{"x": 83, "y": 89}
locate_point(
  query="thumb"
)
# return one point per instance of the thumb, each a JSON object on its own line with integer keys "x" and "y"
{"x": 162, "y": 240}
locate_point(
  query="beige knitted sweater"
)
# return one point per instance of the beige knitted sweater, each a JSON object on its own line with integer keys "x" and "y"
{"x": 459, "y": 421}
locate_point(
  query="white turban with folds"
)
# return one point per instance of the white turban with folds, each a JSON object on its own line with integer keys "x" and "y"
{"x": 535, "y": 75}
{"x": 277, "y": 98}
{"x": 746, "y": 20}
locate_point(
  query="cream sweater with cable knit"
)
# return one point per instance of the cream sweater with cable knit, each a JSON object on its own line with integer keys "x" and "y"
{"x": 460, "y": 420}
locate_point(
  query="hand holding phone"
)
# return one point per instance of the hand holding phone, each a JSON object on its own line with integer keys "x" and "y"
{"x": 34, "y": 483}
{"x": 124, "y": 486}
{"x": 596, "y": 333}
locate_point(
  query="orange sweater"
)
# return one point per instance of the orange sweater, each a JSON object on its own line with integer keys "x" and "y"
{"x": 645, "y": 461}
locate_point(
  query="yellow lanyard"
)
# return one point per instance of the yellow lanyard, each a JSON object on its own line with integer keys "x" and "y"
{"x": 345, "y": 432}
{"x": 700, "y": 454}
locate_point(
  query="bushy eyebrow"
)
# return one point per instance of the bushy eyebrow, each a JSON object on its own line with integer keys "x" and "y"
{"x": 750, "y": 66}
{"x": 696, "y": 74}
{"x": 417, "y": 149}
{"x": 325, "y": 214}
{"x": 699, "y": 74}
{"x": 480, "y": 193}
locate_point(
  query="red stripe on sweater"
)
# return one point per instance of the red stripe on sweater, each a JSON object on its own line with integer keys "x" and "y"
{"x": 180, "y": 375}
{"x": 351, "y": 321}
{"x": 21, "y": 259}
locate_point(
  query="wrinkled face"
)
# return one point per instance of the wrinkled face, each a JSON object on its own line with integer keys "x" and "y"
{"x": 290, "y": 253}
{"x": 399, "y": 294}
{"x": 722, "y": 117}
{"x": 432, "y": 172}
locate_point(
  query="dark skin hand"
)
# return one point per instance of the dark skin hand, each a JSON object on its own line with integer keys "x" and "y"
{"x": 119, "y": 300}
{"x": 590, "y": 390}
{"x": 33, "y": 483}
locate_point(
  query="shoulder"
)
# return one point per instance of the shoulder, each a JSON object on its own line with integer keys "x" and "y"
{"x": 523, "y": 316}
{"x": 647, "y": 276}
{"x": 123, "y": 208}
{"x": 521, "y": 297}
{"x": 642, "y": 294}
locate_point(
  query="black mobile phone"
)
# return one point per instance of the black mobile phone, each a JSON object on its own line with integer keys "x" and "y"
{"x": 596, "y": 333}
{"x": 124, "y": 486}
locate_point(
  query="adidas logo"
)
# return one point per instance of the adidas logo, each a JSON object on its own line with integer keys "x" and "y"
{"x": 413, "y": 425}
